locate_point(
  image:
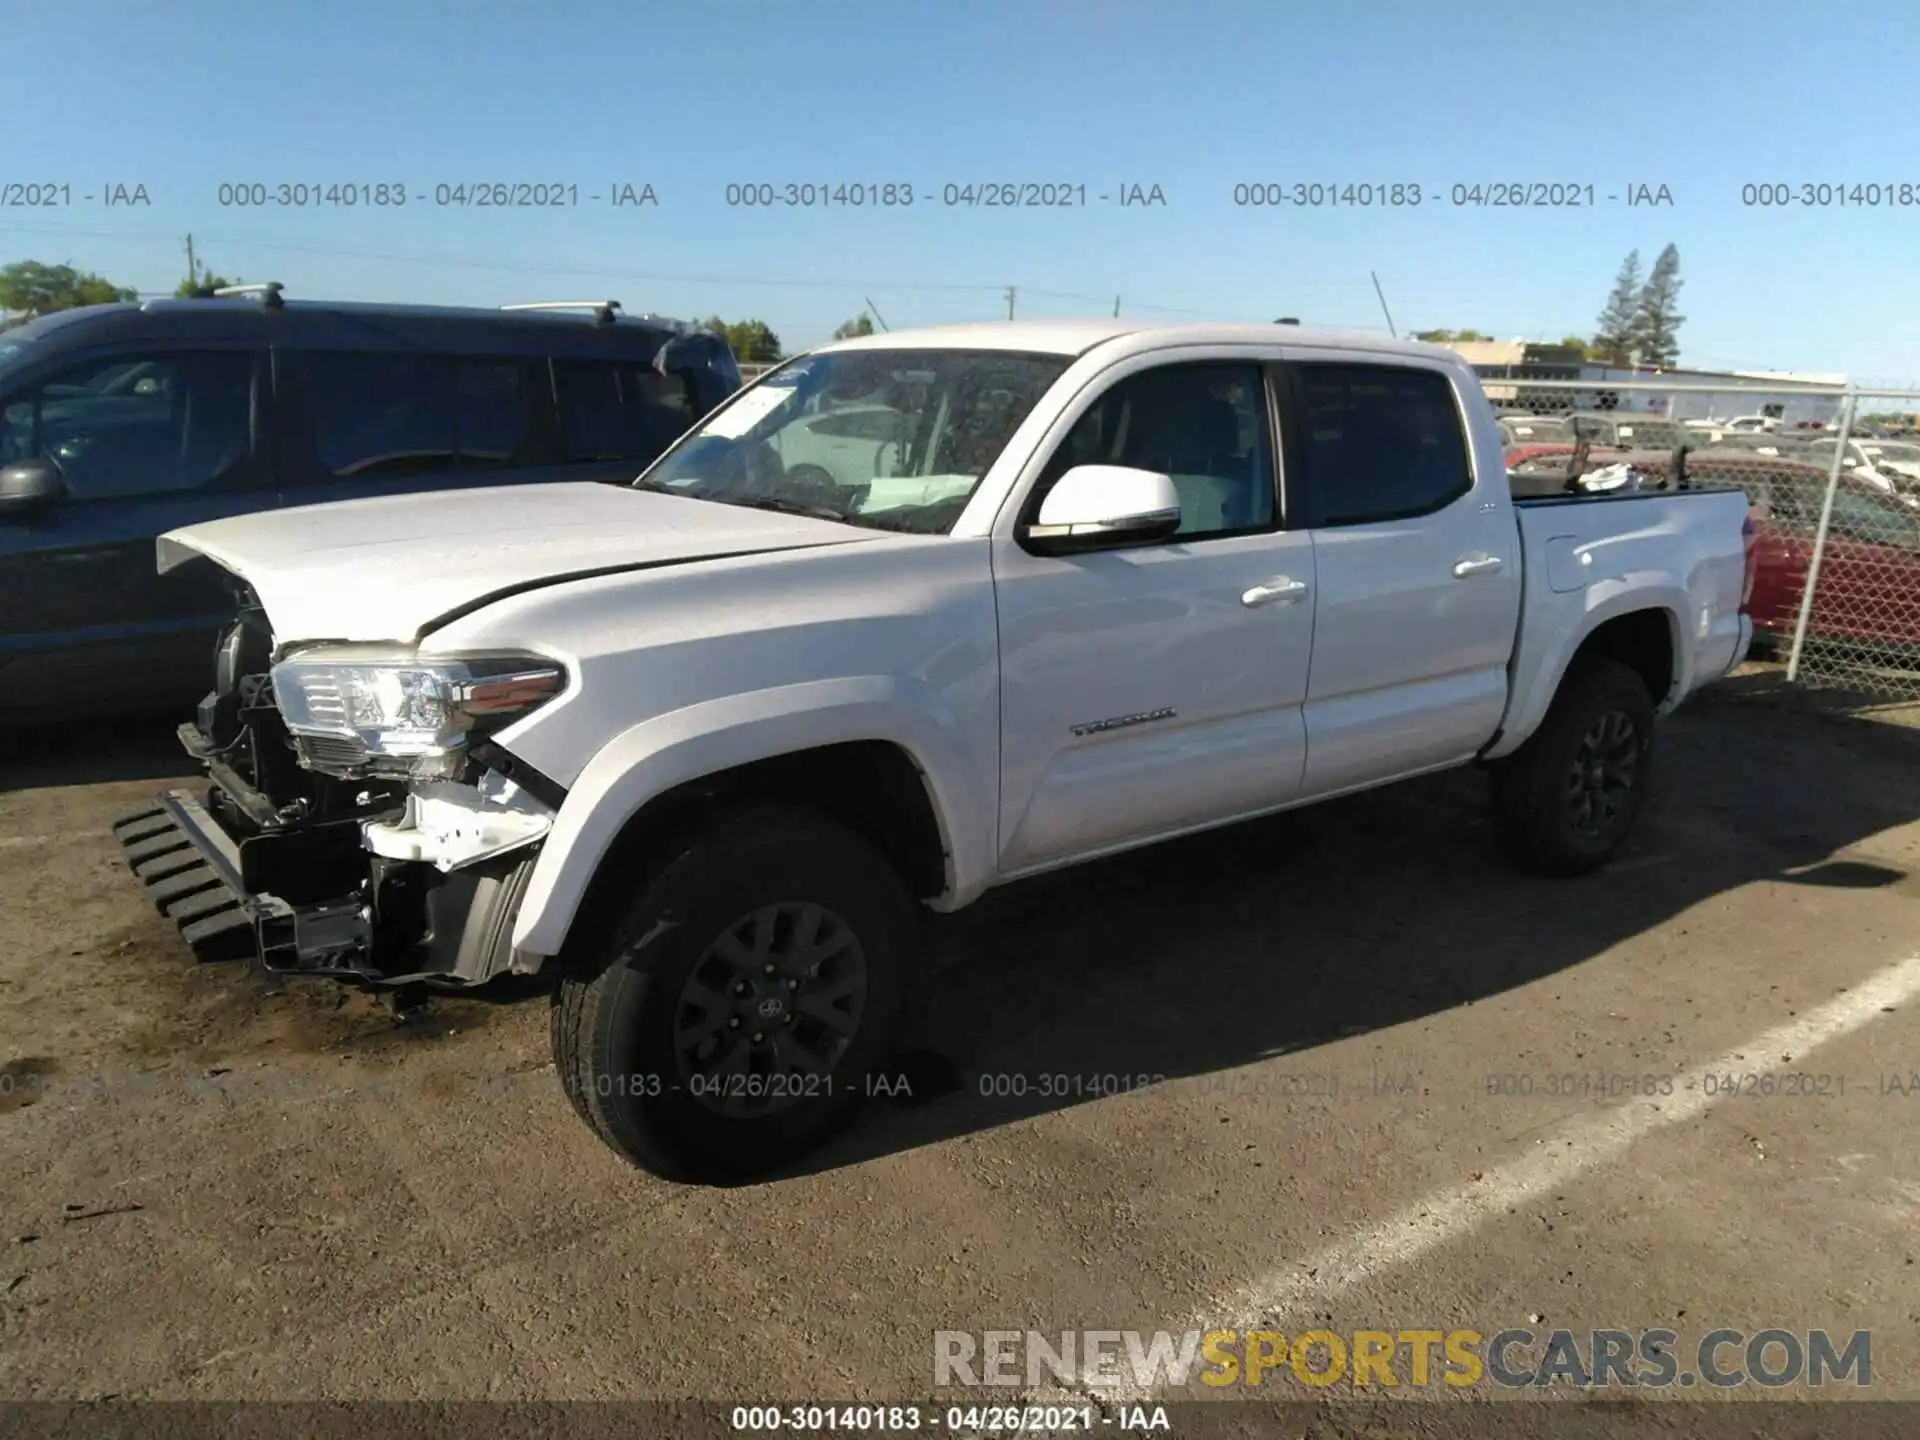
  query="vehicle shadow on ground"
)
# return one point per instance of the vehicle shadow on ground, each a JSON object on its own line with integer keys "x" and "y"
{"x": 94, "y": 752}
{"x": 1355, "y": 916}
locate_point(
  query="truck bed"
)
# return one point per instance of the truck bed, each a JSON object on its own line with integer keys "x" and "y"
{"x": 1586, "y": 556}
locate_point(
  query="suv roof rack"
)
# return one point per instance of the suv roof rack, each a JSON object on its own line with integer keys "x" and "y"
{"x": 605, "y": 312}
{"x": 267, "y": 290}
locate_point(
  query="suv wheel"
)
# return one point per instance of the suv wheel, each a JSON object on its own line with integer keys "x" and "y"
{"x": 1566, "y": 800}
{"x": 730, "y": 1020}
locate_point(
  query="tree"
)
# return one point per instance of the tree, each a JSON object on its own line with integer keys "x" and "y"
{"x": 208, "y": 281}
{"x": 1613, "y": 335}
{"x": 861, "y": 324}
{"x": 752, "y": 341}
{"x": 30, "y": 288}
{"x": 1656, "y": 321}
{"x": 1577, "y": 342}
{"x": 1450, "y": 337}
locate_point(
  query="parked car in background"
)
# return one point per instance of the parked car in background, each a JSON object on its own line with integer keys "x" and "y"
{"x": 120, "y": 422}
{"x": 1868, "y": 593}
{"x": 1624, "y": 430}
{"x": 1783, "y": 444}
{"x": 1115, "y": 583}
{"x": 1869, "y": 585}
{"x": 1752, "y": 424}
{"x": 1536, "y": 430}
{"x": 1523, "y": 456}
{"x": 1889, "y": 465}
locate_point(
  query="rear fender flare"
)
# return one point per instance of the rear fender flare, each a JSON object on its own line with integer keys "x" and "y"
{"x": 1605, "y": 601}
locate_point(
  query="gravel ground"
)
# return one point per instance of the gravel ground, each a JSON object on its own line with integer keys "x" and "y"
{"x": 219, "y": 1189}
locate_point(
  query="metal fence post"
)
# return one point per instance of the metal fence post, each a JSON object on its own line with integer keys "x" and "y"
{"x": 1847, "y": 408}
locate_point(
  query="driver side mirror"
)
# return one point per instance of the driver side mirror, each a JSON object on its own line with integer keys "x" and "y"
{"x": 1096, "y": 506}
{"x": 29, "y": 486}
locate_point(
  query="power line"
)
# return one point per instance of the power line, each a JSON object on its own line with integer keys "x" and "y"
{"x": 520, "y": 266}
{"x": 583, "y": 272}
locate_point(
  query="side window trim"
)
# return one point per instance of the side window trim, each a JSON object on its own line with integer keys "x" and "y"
{"x": 1277, "y": 469}
{"x": 1309, "y": 488}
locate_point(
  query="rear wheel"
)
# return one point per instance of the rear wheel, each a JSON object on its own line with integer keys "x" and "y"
{"x": 1566, "y": 800}
{"x": 729, "y": 1020}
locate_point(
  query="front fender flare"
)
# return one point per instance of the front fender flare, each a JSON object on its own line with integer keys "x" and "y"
{"x": 653, "y": 757}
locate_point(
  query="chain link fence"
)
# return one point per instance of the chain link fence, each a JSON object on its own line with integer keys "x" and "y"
{"x": 1832, "y": 476}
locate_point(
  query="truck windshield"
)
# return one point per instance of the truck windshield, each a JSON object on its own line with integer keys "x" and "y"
{"x": 894, "y": 439}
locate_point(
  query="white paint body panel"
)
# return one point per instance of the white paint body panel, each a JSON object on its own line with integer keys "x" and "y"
{"x": 698, "y": 637}
{"x": 414, "y": 558}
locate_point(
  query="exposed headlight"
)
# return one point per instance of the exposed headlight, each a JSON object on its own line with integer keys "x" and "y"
{"x": 359, "y": 712}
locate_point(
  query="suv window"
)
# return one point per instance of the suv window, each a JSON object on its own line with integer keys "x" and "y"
{"x": 415, "y": 414}
{"x": 618, "y": 412}
{"x": 1380, "y": 442}
{"x": 493, "y": 424}
{"x": 1203, "y": 424}
{"x": 381, "y": 414}
{"x": 145, "y": 425}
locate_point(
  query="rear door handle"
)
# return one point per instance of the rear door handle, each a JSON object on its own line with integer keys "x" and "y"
{"x": 1477, "y": 565}
{"x": 1279, "y": 590}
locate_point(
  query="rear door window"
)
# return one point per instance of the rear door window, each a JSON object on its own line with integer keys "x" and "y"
{"x": 1379, "y": 442}
{"x": 612, "y": 411}
{"x": 379, "y": 415}
{"x": 400, "y": 415}
{"x": 494, "y": 413}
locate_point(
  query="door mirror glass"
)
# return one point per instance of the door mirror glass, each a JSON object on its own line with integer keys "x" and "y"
{"x": 1095, "y": 505}
{"x": 28, "y": 487}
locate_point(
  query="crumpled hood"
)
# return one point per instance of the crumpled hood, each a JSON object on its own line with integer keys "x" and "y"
{"x": 389, "y": 568}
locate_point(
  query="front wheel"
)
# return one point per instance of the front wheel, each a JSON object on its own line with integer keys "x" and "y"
{"x": 1566, "y": 800}
{"x": 732, "y": 1017}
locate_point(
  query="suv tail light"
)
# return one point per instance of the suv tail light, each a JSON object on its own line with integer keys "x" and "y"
{"x": 1750, "y": 534}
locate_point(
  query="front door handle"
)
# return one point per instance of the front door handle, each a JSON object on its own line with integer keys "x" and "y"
{"x": 1478, "y": 565}
{"x": 1277, "y": 590}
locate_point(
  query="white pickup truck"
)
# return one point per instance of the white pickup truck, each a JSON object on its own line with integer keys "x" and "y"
{"x": 706, "y": 748}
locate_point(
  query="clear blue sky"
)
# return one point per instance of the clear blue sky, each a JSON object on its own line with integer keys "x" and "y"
{"x": 1192, "y": 96}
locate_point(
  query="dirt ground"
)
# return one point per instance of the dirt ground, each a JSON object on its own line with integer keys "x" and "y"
{"x": 217, "y": 1189}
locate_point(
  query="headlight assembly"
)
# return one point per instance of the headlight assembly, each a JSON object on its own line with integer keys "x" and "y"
{"x": 355, "y": 711}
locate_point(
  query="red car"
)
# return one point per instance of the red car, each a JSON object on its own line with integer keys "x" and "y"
{"x": 1519, "y": 455}
{"x": 1868, "y": 592}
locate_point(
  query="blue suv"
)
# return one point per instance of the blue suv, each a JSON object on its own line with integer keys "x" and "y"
{"x": 121, "y": 422}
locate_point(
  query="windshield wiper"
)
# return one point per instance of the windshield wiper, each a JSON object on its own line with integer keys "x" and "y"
{"x": 786, "y": 506}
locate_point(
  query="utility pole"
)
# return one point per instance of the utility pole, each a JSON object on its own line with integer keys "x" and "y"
{"x": 876, "y": 312}
{"x": 1010, "y": 294}
{"x": 193, "y": 273}
{"x": 1383, "y": 305}
{"x": 1116, "y": 307}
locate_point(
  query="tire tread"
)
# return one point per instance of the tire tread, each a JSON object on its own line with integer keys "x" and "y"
{"x": 1526, "y": 803}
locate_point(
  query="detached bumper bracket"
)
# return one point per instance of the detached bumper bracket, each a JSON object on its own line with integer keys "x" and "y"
{"x": 192, "y": 874}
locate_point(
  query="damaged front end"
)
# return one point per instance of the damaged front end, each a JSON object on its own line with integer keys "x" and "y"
{"x": 358, "y": 822}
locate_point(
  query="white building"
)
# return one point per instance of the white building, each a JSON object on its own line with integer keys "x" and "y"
{"x": 1794, "y": 398}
